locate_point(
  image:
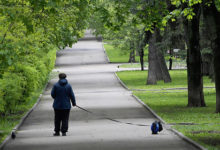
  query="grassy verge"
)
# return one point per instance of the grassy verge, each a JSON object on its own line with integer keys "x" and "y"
{"x": 176, "y": 64}
{"x": 133, "y": 65}
{"x": 117, "y": 55}
{"x": 137, "y": 80}
{"x": 203, "y": 123}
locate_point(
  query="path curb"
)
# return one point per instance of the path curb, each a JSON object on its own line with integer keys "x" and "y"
{"x": 151, "y": 110}
{"x": 14, "y": 130}
{"x": 122, "y": 83}
{"x": 108, "y": 61}
{"x": 197, "y": 145}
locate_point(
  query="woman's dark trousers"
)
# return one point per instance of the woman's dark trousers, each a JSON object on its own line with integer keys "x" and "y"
{"x": 61, "y": 120}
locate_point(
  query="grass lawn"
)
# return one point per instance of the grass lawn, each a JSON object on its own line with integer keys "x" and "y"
{"x": 176, "y": 64}
{"x": 133, "y": 65}
{"x": 117, "y": 55}
{"x": 171, "y": 106}
{"x": 137, "y": 80}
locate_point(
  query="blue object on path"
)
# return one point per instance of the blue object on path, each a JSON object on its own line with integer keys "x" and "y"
{"x": 156, "y": 127}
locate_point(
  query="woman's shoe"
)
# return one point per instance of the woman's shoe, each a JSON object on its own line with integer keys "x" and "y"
{"x": 56, "y": 134}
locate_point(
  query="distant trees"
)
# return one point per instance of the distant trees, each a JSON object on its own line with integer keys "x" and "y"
{"x": 171, "y": 16}
{"x": 138, "y": 19}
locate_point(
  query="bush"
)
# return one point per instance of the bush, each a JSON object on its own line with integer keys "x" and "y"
{"x": 42, "y": 69}
{"x": 50, "y": 59}
{"x": 12, "y": 88}
{"x": 23, "y": 78}
{"x": 31, "y": 76}
{"x": 2, "y": 102}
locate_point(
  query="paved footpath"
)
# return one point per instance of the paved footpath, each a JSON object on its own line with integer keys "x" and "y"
{"x": 97, "y": 89}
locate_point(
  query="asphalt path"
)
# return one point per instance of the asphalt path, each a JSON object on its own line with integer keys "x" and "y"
{"x": 98, "y": 90}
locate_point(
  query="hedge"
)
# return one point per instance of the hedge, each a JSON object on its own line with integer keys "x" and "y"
{"x": 20, "y": 80}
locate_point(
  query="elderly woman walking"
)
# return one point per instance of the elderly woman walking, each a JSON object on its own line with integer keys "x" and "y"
{"x": 63, "y": 96}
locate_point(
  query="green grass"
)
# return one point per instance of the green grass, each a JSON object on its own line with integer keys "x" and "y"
{"x": 133, "y": 65}
{"x": 117, "y": 55}
{"x": 176, "y": 64}
{"x": 171, "y": 106}
{"x": 137, "y": 80}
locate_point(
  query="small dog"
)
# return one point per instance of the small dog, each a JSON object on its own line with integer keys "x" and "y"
{"x": 156, "y": 127}
{"x": 13, "y": 135}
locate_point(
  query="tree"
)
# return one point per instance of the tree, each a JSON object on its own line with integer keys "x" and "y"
{"x": 157, "y": 65}
{"x": 117, "y": 21}
{"x": 212, "y": 15}
{"x": 191, "y": 20}
{"x": 145, "y": 13}
{"x": 152, "y": 19}
{"x": 194, "y": 60}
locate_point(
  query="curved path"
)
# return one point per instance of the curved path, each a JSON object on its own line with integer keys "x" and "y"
{"x": 97, "y": 89}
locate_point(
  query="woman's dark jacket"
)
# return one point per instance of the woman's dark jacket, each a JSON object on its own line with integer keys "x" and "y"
{"x": 62, "y": 93}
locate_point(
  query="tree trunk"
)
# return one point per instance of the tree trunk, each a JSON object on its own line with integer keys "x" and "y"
{"x": 205, "y": 68}
{"x": 194, "y": 61}
{"x": 141, "y": 47}
{"x": 141, "y": 53}
{"x": 211, "y": 13}
{"x": 163, "y": 67}
{"x": 157, "y": 65}
{"x": 132, "y": 53}
{"x": 207, "y": 34}
{"x": 211, "y": 71}
{"x": 153, "y": 75}
{"x": 170, "y": 62}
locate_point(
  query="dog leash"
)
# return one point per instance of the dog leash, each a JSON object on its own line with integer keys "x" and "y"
{"x": 114, "y": 120}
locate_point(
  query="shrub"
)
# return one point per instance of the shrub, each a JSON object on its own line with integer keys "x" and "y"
{"x": 42, "y": 69}
{"x": 50, "y": 59}
{"x": 22, "y": 79}
{"x": 12, "y": 88}
{"x": 2, "y": 102}
{"x": 30, "y": 75}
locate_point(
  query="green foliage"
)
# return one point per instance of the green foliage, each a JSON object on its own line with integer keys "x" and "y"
{"x": 31, "y": 76}
{"x": 2, "y": 102}
{"x": 12, "y": 87}
{"x": 24, "y": 78}
{"x": 186, "y": 8}
{"x": 31, "y": 32}
{"x": 125, "y": 22}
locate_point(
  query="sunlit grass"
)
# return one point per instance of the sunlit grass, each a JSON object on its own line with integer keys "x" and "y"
{"x": 117, "y": 55}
